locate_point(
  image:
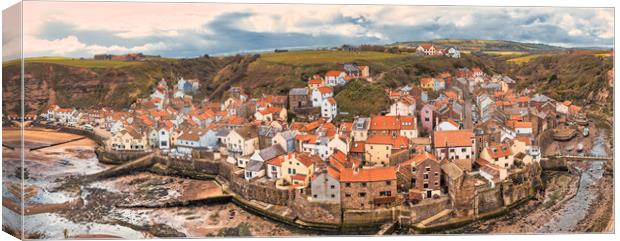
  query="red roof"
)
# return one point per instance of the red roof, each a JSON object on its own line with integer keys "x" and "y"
{"x": 358, "y": 147}
{"x": 419, "y": 158}
{"x": 455, "y": 138}
{"x": 498, "y": 150}
{"x": 396, "y": 142}
{"x": 426, "y": 45}
{"x": 368, "y": 175}
{"x": 315, "y": 81}
{"x": 333, "y": 73}
{"x": 476, "y": 70}
{"x": 325, "y": 89}
{"x": 391, "y": 122}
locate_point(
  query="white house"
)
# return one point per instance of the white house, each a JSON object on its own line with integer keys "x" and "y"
{"x": 403, "y": 107}
{"x": 242, "y": 141}
{"x": 334, "y": 77}
{"x": 329, "y": 108}
{"x": 320, "y": 94}
{"x": 453, "y": 53}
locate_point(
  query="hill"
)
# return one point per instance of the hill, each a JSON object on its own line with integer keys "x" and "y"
{"x": 70, "y": 82}
{"x": 487, "y": 45}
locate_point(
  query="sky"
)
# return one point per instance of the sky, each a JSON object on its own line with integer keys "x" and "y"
{"x": 82, "y": 29}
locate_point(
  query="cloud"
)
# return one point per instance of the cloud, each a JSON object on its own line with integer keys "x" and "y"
{"x": 193, "y": 29}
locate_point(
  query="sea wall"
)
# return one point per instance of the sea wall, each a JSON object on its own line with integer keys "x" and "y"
{"x": 427, "y": 209}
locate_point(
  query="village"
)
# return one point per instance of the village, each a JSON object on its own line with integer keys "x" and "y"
{"x": 443, "y": 143}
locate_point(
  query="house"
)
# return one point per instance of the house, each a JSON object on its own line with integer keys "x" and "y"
{"x": 160, "y": 137}
{"x": 320, "y": 94}
{"x": 273, "y": 167}
{"x": 370, "y": 188}
{"x": 453, "y": 53}
{"x": 359, "y": 130}
{"x": 271, "y": 114}
{"x": 427, "y": 83}
{"x": 258, "y": 162}
{"x": 457, "y": 145}
{"x": 315, "y": 83}
{"x": 379, "y": 148}
{"x": 405, "y": 106}
{"x": 196, "y": 139}
{"x": 286, "y": 140}
{"x": 486, "y": 107}
{"x": 448, "y": 125}
{"x": 393, "y": 126}
{"x": 325, "y": 186}
{"x": 351, "y": 70}
{"x": 299, "y": 99}
{"x": 128, "y": 140}
{"x": 499, "y": 154}
{"x": 329, "y": 108}
{"x": 297, "y": 169}
{"x": 426, "y": 49}
{"x": 477, "y": 72}
{"x": 242, "y": 141}
{"x": 427, "y": 115}
{"x": 420, "y": 176}
{"x": 334, "y": 77}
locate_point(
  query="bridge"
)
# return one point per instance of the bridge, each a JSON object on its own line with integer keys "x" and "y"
{"x": 582, "y": 158}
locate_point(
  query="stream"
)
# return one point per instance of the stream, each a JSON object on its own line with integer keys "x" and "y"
{"x": 576, "y": 209}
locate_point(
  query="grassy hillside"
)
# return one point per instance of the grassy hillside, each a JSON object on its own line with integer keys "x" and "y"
{"x": 360, "y": 98}
{"x": 312, "y": 57}
{"x": 73, "y": 62}
{"x": 487, "y": 45}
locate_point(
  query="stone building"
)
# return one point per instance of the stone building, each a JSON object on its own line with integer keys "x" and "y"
{"x": 368, "y": 188}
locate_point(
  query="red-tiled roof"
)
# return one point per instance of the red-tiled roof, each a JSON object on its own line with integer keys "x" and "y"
{"x": 368, "y": 175}
{"x": 455, "y": 138}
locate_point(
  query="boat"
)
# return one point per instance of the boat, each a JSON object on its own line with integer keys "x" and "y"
{"x": 586, "y": 131}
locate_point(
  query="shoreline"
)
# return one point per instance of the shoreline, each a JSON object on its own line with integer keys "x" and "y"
{"x": 296, "y": 222}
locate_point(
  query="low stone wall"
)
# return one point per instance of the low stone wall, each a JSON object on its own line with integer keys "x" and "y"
{"x": 315, "y": 212}
{"x": 369, "y": 219}
{"x": 427, "y": 209}
{"x": 489, "y": 199}
{"x": 554, "y": 164}
{"x": 117, "y": 157}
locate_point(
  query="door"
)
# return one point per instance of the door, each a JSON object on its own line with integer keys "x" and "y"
{"x": 428, "y": 194}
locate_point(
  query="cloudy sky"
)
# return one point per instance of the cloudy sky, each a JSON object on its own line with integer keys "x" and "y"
{"x": 81, "y": 29}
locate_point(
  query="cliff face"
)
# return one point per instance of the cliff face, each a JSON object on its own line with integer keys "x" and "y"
{"x": 47, "y": 83}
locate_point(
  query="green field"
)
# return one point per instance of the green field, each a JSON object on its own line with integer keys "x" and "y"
{"x": 324, "y": 56}
{"x": 83, "y": 63}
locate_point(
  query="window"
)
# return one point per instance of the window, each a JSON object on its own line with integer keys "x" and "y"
{"x": 413, "y": 181}
{"x": 362, "y": 194}
{"x": 387, "y": 148}
{"x": 364, "y": 184}
{"x": 315, "y": 196}
{"x": 425, "y": 176}
{"x": 451, "y": 150}
{"x": 463, "y": 150}
{"x": 413, "y": 169}
{"x": 332, "y": 187}
{"x": 333, "y": 196}
{"x": 425, "y": 185}
{"x": 428, "y": 169}
{"x": 348, "y": 184}
{"x": 347, "y": 194}
{"x": 388, "y": 183}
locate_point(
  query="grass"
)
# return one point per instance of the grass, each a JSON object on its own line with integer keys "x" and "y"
{"x": 526, "y": 58}
{"x": 82, "y": 63}
{"x": 311, "y": 57}
{"x": 505, "y": 53}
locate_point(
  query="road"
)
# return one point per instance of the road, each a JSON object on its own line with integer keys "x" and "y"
{"x": 467, "y": 96}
